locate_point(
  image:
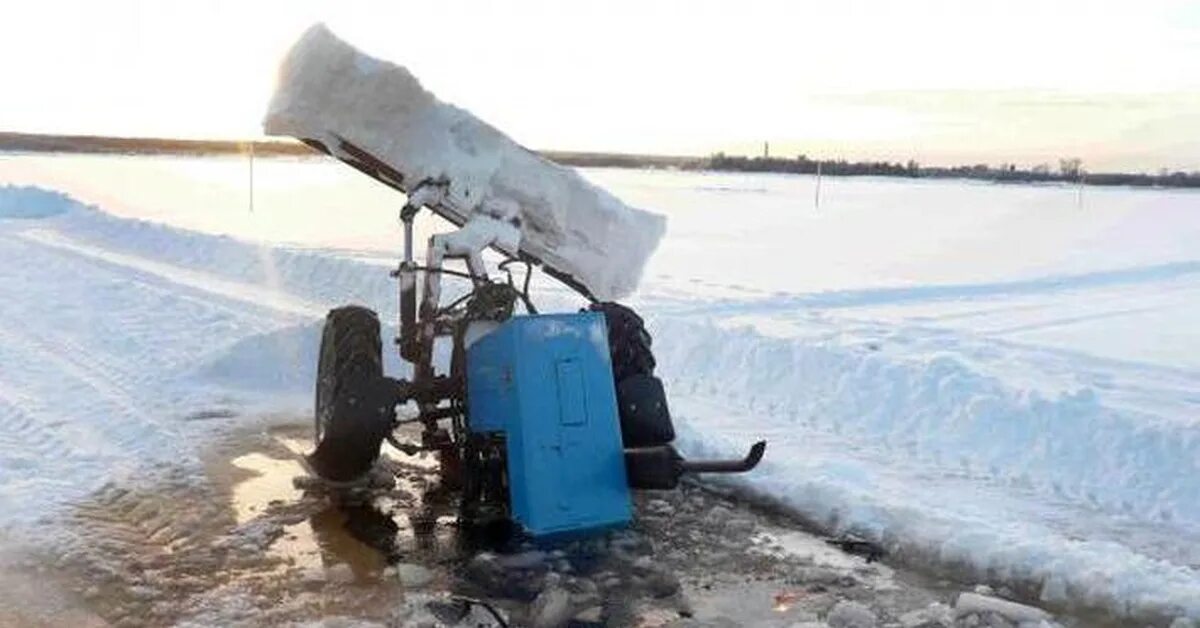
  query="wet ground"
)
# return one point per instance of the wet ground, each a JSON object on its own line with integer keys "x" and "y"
{"x": 256, "y": 541}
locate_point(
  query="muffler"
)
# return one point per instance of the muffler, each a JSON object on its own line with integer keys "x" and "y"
{"x": 660, "y": 468}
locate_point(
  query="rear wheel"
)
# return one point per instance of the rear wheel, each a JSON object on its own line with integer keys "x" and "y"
{"x": 628, "y": 341}
{"x": 642, "y": 407}
{"x": 641, "y": 401}
{"x": 353, "y": 411}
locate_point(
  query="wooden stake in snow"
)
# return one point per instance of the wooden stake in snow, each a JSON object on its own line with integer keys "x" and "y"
{"x": 1079, "y": 192}
{"x": 251, "y": 177}
{"x": 817, "y": 191}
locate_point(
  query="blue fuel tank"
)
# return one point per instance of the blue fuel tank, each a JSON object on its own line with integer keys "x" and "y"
{"x": 545, "y": 382}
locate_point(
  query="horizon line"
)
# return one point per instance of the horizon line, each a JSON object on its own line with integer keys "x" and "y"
{"x": 22, "y": 141}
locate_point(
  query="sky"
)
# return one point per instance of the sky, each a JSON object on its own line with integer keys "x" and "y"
{"x": 945, "y": 82}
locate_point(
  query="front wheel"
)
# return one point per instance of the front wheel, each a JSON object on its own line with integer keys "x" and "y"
{"x": 352, "y": 411}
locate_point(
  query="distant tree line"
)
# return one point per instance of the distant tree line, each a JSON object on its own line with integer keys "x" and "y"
{"x": 1069, "y": 170}
{"x": 43, "y": 143}
{"x": 804, "y": 165}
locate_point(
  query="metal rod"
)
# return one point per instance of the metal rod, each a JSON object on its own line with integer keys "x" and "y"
{"x": 408, "y": 239}
{"x": 407, "y": 276}
{"x": 727, "y": 466}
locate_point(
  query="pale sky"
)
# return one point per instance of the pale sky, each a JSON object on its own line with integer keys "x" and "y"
{"x": 1117, "y": 84}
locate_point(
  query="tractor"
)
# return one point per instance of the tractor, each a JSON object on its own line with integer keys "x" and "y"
{"x": 542, "y": 420}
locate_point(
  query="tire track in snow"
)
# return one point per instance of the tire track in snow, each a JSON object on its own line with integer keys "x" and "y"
{"x": 126, "y": 320}
{"x": 99, "y": 376}
{"x": 94, "y": 394}
{"x": 81, "y": 390}
{"x": 24, "y": 434}
{"x": 83, "y": 429}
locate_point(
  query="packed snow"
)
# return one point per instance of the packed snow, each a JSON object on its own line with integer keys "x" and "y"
{"x": 975, "y": 376}
{"x": 32, "y": 202}
{"x": 330, "y": 92}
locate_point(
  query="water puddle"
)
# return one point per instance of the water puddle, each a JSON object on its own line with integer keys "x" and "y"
{"x": 270, "y": 483}
{"x": 400, "y": 516}
{"x": 252, "y": 530}
{"x": 254, "y": 539}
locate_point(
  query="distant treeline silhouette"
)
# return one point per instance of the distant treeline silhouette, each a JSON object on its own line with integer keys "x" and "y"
{"x": 47, "y": 143}
{"x": 1069, "y": 170}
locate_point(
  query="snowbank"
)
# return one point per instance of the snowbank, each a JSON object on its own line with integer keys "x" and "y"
{"x": 317, "y": 278}
{"x": 284, "y": 361}
{"x": 1086, "y": 504}
{"x": 33, "y": 202}
{"x": 328, "y": 91}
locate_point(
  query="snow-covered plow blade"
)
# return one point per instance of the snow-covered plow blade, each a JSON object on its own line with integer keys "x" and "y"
{"x": 376, "y": 116}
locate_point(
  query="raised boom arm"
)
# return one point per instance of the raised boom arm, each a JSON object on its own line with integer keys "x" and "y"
{"x": 376, "y": 116}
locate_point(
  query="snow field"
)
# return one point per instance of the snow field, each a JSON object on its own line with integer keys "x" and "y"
{"x": 1081, "y": 486}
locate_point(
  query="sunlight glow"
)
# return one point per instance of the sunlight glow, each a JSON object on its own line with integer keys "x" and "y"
{"x": 937, "y": 81}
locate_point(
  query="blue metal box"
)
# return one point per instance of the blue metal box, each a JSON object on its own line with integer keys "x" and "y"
{"x": 546, "y": 383}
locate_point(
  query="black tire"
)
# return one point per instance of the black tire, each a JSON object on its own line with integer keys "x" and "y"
{"x": 645, "y": 417}
{"x": 641, "y": 401}
{"x": 628, "y": 341}
{"x": 352, "y": 412}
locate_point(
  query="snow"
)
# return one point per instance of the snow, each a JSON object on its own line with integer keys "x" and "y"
{"x": 32, "y": 202}
{"x": 1024, "y": 419}
{"x": 328, "y": 91}
{"x": 848, "y": 614}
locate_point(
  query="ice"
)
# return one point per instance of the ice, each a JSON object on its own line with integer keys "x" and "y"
{"x": 328, "y": 91}
{"x": 976, "y": 603}
{"x": 1000, "y": 416}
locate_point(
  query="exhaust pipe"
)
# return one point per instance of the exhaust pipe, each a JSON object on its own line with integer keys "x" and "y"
{"x": 660, "y": 468}
{"x": 753, "y": 457}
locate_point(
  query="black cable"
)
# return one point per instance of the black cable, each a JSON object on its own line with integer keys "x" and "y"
{"x": 446, "y": 271}
{"x": 470, "y": 601}
{"x": 455, "y": 303}
{"x": 524, "y": 291}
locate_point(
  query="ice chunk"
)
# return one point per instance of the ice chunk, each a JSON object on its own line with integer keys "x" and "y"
{"x": 975, "y": 603}
{"x": 332, "y": 93}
